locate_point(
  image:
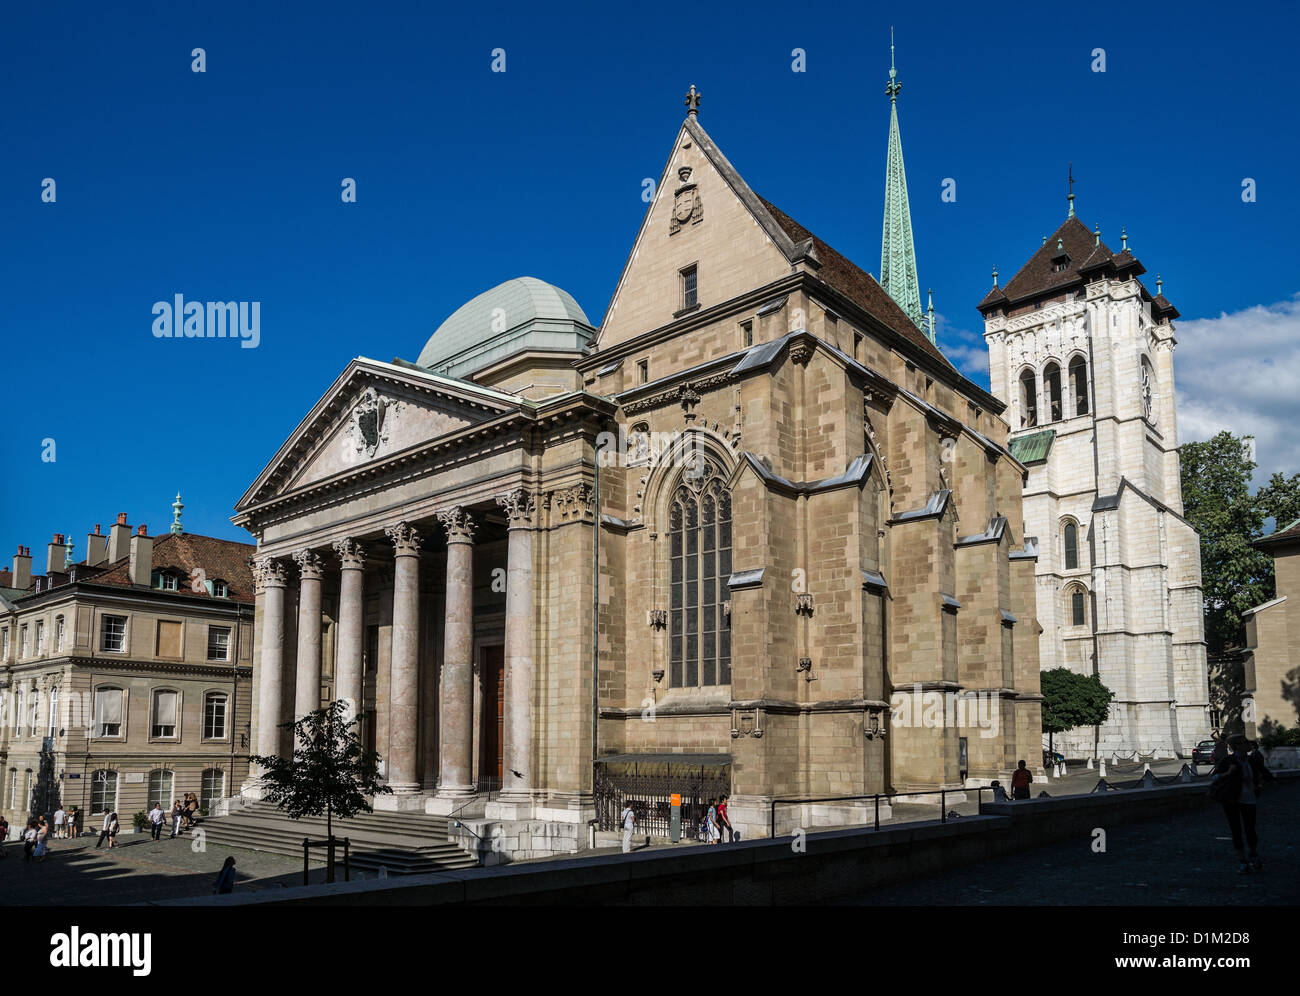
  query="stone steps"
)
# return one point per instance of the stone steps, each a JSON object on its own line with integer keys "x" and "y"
{"x": 403, "y": 843}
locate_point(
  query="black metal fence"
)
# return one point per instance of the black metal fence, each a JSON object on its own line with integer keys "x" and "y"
{"x": 649, "y": 793}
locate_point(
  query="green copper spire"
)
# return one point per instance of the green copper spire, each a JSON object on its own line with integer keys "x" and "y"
{"x": 897, "y": 252}
{"x": 176, "y": 515}
{"x": 929, "y": 315}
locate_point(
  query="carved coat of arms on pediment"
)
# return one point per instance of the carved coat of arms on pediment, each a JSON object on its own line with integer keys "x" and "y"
{"x": 370, "y": 420}
{"x": 687, "y": 206}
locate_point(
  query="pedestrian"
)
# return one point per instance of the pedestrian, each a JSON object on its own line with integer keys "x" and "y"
{"x": 156, "y": 820}
{"x": 1237, "y": 782}
{"x": 42, "y": 840}
{"x": 103, "y": 833}
{"x": 1020, "y": 780}
{"x": 724, "y": 823}
{"x": 999, "y": 793}
{"x": 4, "y": 829}
{"x": 176, "y": 817}
{"x": 113, "y": 827}
{"x": 225, "y": 878}
{"x": 1221, "y": 750}
{"x": 711, "y": 820}
{"x": 73, "y": 814}
{"x": 29, "y": 840}
{"x": 60, "y": 817}
{"x": 628, "y": 819}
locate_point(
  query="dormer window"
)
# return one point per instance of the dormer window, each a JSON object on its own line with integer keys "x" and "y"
{"x": 220, "y": 589}
{"x": 166, "y": 580}
{"x": 1060, "y": 263}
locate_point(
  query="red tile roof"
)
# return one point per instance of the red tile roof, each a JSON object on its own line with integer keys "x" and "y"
{"x": 219, "y": 559}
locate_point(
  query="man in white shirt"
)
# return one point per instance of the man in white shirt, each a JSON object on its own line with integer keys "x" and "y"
{"x": 156, "y": 819}
{"x": 59, "y": 816}
{"x": 628, "y": 819}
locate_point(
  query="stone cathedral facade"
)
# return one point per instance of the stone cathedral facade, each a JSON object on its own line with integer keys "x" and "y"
{"x": 752, "y": 533}
{"x": 1083, "y": 354}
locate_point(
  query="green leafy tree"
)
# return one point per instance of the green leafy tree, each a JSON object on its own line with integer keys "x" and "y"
{"x": 1071, "y": 700}
{"x": 329, "y": 773}
{"x": 1217, "y": 501}
{"x": 1279, "y": 499}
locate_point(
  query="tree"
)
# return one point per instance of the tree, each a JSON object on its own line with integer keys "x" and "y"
{"x": 329, "y": 772}
{"x": 1279, "y": 499}
{"x": 1071, "y": 700}
{"x": 1235, "y": 576}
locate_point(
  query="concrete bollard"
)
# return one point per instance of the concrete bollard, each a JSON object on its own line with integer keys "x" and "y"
{"x": 1101, "y": 768}
{"x": 1089, "y": 764}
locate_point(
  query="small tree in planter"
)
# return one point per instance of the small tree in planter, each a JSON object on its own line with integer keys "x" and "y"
{"x": 329, "y": 773}
{"x": 139, "y": 820}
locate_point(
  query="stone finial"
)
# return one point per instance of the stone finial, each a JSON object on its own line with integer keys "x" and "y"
{"x": 693, "y": 102}
{"x": 457, "y": 524}
{"x": 310, "y": 565}
{"x": 269, "y": 573}
{"x": 351, "y": 553}
{"x": 519, "y": 505}
{"x": 405, "y": 538}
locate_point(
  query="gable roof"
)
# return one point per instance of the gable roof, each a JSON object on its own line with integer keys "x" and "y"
{"x": 855, "y": 283}
{"x": 219, "y": 559}
{"x": 1037, "y": 275}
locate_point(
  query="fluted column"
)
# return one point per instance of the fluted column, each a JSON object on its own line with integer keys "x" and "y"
{"x": 351, "y": 617}
{"x": 456, "y": 779}
{"x": 517, "y": 781}
{"x": 270, "y": 658}
{"x": 307, "y": 683}
{"x": 404, "y": 673}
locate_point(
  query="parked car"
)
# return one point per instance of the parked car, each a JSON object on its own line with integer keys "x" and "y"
{"x": 1203, "y": 752}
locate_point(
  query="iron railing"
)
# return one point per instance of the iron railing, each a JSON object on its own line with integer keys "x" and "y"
{"x": 874, "y": 801}
{"x": 650, "y": 798}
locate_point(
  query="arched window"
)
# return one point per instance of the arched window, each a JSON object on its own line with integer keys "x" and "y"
{"x": 1028, "y": 400}
{"x": 161, "y": 783}
{"x": 211, "y": 788}
{"x": 103, "y": 791}
{"x": 699, "y": 541}
{"x": 1052, "y": 387}
{"x": 1149, "y": 394}
{"x": 1078, "y": 606}
{"x": 214, "y": 716}
{"x": 1071, "y": 546}
{"x": 1079, "y": 384}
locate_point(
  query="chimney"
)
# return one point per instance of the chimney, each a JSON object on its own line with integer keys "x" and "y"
{"x": 56, "y": 559}
{"x": 141, "y": 570}
{"x": 22, "y": 569}
{"x": 96, "y": 547}
{"x": 119, "y": 535}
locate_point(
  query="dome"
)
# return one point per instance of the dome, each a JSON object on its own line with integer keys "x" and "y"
{"x": 520, "y": 314}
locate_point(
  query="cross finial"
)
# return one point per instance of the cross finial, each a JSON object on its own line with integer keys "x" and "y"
{"x": 1069, "y": 196}
{"x": 693, "y": 102}
{"x": 893, "y": 87}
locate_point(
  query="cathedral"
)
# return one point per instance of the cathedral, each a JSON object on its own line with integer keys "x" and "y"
{"x": 752, "y": 533}
{"x": 1083, "y": 355}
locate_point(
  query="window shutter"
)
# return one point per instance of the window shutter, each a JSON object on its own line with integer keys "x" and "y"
{"x": 110, "y": 705}
{"x": 166, "y": 709}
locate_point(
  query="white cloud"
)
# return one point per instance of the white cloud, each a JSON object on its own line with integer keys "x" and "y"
{"x": 1241, "y": 372}
{"x": 965, "y": 349}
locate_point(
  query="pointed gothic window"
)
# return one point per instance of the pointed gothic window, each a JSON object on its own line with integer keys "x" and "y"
{"x": 699, "y": 544}
{"x": 1071, "y": 546}
{"x": 1079, "y": 384}
{"x": 1028, "y": 400}
{"x": 1052, "y": 386}
{"x": 1078, "y": 607}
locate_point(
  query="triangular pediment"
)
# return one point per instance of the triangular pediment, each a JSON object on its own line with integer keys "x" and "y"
{"x": 703, "y": 214}
{"x": 373, "y": 411}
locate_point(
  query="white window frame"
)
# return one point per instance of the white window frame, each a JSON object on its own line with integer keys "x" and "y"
{"x": 40, "y": 637}
{"x": 208, "y": 698}
{"x": 153, "y": 712}
{"x": 220, "y": 589}
{"x": 205, "y": 801}
{"x": 94, "y": 779}
{"x": 53, "y": 729}
{"x": 229, "y": 631}
{"x": 24, "y": 644}
{"x": 98, "y": 725}
{"x": 104, "y": 623}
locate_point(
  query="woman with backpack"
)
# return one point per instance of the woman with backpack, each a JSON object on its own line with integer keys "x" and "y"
{"x": 1236, "y": 786}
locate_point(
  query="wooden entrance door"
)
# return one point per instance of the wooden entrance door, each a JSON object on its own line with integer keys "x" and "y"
{"x": 493, "y": 722}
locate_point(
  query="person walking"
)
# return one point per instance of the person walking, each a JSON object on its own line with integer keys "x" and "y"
{"x": 103, "y": 833}
{"x": 1237, "y": 782}
{"x": 628, "y": 819}
{"x": 711, "y": 822}
{"x": 60, "y": 818}
{"x": 1020, "y": 781}
{"x": 113, "y": 827}
{"x": 724, "y": 823}
{"x": 176, "y": 817}
{"x": 73, "y": 814}
{"x": 1221, "y": 749}
{"x": 225, "y": 878}
{"x": 42, "y": 840}
{"x": 29, "y": 840}
{"x": 156, "y": 820}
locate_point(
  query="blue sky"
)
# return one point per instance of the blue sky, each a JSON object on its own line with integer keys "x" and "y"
{"x": 225, "y": 185}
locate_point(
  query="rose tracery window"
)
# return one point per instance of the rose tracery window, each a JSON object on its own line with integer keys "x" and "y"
{"x": 699, "y": 539}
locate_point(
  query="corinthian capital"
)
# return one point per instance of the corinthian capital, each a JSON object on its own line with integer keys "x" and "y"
{"x": 458, "y": 525}
{"x": 268, "y": 573}
{"x": 310, "y": 565}
{"x": 405, "y": 539}
{"x": 351, "y": 553}
{"x": 519, "y": 506}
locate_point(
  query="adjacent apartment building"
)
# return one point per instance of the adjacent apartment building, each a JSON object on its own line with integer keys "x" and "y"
{"x": 124, "y": 676}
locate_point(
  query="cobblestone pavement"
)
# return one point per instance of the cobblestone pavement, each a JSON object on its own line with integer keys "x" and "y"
{"x": 138, "y": 870}
{"x": 1183, "y": 860}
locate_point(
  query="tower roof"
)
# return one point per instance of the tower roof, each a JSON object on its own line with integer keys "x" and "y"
{"x": 897, "y": 251}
